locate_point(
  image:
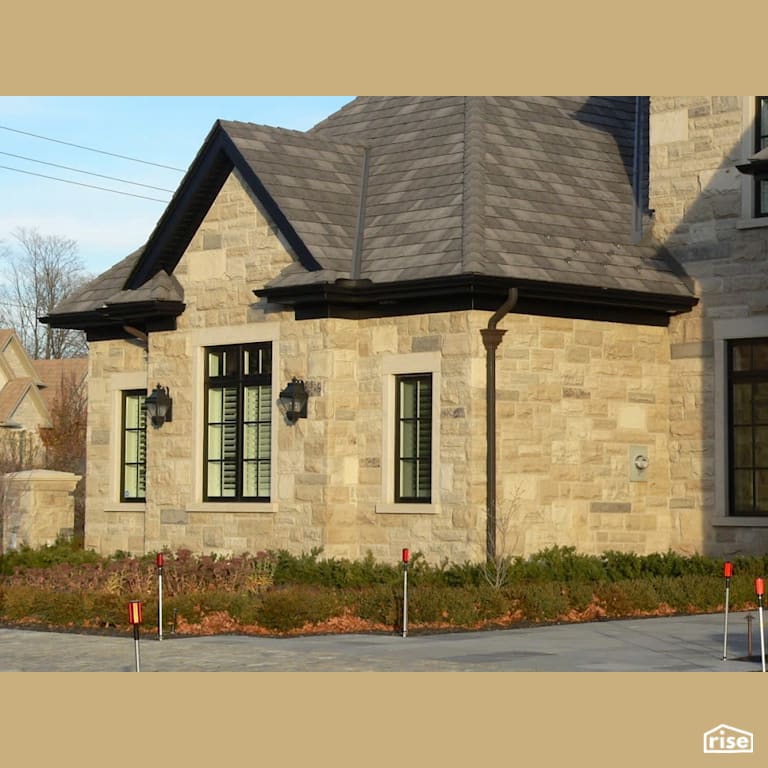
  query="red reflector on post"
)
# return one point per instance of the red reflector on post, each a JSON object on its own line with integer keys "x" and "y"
{"x": 406, "y": 555}
{"x": 728, "y": 570}
{"x": 134, "y": 612}
{"x": 159, "y": 559}
{"x": 760, "y": 586}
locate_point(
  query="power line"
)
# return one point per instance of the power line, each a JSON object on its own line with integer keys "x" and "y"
{"x": 81, "y": 184}
{"x": 91, "y": 149}
{"x": 88, "y": 173}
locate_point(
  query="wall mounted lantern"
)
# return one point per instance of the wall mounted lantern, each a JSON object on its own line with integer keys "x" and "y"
{"x": 756, "y": 165}
{"x": 159, "y": 406}
{"x": 293, "y": 400}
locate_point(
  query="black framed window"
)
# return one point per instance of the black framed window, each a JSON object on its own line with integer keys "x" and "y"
{"x": 413, "y": 438}
{"x": 748, "y": 426}
{"x": 238, "y": 418}
{"x": 761, "y": 142}
{"x": 133, "y": 459}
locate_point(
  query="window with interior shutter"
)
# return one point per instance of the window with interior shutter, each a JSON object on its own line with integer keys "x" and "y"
{"x": 238, "y": 415}
{"x": 413, "y": 438}
{"x": 134, "y": 446}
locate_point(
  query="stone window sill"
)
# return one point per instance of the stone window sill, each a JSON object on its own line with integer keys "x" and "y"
{"x": 407, "y": 509}
{"x": 741, "y": 522}
{"x": 753, "y": 223}
{"x": 139, "y": 506}
{"x": 231, "y": 506}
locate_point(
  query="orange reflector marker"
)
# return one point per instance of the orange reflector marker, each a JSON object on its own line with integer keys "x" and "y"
{"x": 759, "y": 587}
{"x": 134, "y": 612}
{"x": 728, "y": 570}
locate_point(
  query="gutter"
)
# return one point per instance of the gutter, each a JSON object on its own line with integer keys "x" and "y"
{"x": 491, "y": 339}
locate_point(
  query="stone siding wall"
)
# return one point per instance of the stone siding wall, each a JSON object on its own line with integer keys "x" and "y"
{"x": 699, "y": 201}
{"x": 577, "y": 400}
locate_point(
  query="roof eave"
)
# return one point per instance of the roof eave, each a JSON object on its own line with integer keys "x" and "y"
{"x": 109, "y": 320}
{"x": 361, "y": 299}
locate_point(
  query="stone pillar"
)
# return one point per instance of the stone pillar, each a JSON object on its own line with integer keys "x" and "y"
{"x": 37, "y": 507}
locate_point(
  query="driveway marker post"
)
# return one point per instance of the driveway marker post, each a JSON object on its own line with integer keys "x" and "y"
{"x": 727, "y": 572}
{"x": 134, "y": 617}
{"x": 760, "y": 590}
{"x": 159, "y": 595}
{"x": 406, "y": 557}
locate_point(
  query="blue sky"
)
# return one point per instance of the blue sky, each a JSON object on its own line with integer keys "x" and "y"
{"x": 164, "y": 130}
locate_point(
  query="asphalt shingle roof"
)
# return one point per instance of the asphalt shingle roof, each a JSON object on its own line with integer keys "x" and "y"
{"x": 393, "y": 189}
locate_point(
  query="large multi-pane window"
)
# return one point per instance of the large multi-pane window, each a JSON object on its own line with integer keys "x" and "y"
{"x": 413, "y": 438}
{"x": 238, "y": 417}
{"x": 761, "y": 142}
{"x": 134, "y": 446}
{"x": 748, "y": 426}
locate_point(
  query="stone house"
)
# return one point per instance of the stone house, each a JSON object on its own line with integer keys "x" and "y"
{"x": 23, "y": 408}
{"x": 29, "y": 390}
{"x": 518, "y": 322}
{"x": 36, "y": 505}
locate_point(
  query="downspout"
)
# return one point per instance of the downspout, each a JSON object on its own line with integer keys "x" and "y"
{"x": 491, "y": 339}
{"x": 637, "y": 171}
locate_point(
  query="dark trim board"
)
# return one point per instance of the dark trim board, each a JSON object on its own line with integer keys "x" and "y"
{"x": 361, "y": 299}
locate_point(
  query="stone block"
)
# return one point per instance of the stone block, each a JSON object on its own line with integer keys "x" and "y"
{"x": 610, "y": 507}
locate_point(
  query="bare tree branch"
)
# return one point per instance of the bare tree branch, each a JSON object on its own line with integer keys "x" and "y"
{"x": 42, "y": 271}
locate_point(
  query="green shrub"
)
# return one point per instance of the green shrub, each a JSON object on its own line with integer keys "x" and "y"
{"x": 63, "y": 551}
{"x": 378, "y": 603}
{"x": 308, "y": 569}
{"x": 558, "y": 564}
{"x": 543, "y": 601}
{"x": 581, "y": 595}
{"x": 60, "y": 609}
{"x": 690, "y": 592}
{"x": 625, "y": 598}
{"x": 619, "y": 566}
{"x": 292, "y": 607}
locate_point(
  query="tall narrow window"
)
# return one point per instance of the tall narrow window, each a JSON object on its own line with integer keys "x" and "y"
{"x": 238, "y": 416}
{"x": 748, "y": 426}
{"x": 761, "y": 142}
{"x": 134, "y": 446}
{"x": 413, "y": 438}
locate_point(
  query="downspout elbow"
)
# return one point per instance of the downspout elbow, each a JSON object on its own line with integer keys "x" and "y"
{"x": 506, "y": 307}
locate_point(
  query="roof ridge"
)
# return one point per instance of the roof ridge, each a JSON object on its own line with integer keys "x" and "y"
{"x": 473, "y": 191}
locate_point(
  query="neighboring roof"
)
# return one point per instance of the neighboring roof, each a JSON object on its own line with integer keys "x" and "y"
{"x": 14, "y": 359}
{"x": 11, "y": 396}
{"x": 392, "y": 200}
{"x": 37, "y": 381}
{"x": 53, "y": 373}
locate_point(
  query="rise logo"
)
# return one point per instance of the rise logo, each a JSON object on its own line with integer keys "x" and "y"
{"x": 725, "y": 739}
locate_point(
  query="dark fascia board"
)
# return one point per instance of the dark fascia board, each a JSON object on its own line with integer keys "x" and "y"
{"x": 360, "y": 299}
{"x": 108, "y": 321}
{"x": 185, "y": 213}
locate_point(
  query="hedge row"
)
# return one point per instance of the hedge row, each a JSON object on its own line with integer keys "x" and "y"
{"x": 282, "y": 609}
{"x": 279, "y": 592}
{"x": 64, "y": 564}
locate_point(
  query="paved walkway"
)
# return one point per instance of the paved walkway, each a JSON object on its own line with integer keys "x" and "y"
{"x": 673, "y": 644}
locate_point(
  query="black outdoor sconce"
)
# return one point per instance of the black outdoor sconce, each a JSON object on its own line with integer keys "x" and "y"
{"x": 756, "y": 165}
{"x": 293, "y": 400}
{"x": 159, "y": 406}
